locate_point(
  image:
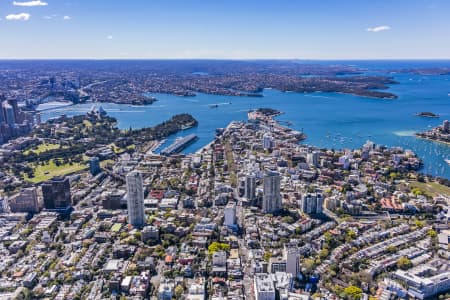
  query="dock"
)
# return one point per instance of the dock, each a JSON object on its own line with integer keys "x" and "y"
{"x": 179, "y": 144}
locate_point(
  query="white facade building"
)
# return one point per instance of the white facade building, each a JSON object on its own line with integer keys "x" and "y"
{"x": 312, "y": 203}
{"x": 263, "y": 287}
{"x": 230, "y": 214}
{"x": 250, "y": 187}
{"x": 271, "y": 192}
{"x": 135, "y": 199}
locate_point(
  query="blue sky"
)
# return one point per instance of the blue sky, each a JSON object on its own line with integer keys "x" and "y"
{"x": 238, "y": 29}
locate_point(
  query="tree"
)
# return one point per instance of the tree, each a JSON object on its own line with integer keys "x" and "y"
{"x": 216, "y": 246}
{"x": 323, "y": 253}
{"x": 308, "y": 264}
{"x": 404, "y": 263}
{"x": 138, "y": 235}
{"x": 179, "y": 291}
{"x": 288, "y": 219}
{"x": 419, "y": 224}
{"x": 353, "y": 292}
{"x": 391, "y": 249}
{"x": 267, "y": 256}
{"x": 431, "y": 233}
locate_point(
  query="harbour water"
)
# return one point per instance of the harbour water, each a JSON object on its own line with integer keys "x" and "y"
{"x": 330, "y": 120}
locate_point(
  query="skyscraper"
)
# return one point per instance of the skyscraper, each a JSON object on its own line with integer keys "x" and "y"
{"x": 135, "y": 199}
{"x": 271, "y": 192}
{"x": 250, "y": 187}
{"x": 2, "y": 114}
{"x": 25, "y": 201}
{"x": 9, "y": 114}
{"x": 446, "y": 126}
{"x": 268, "y": 141}
{"x": 56, "y": 193}
{"x": 2, "y": 205}
{"x": 230, "y": 214}
{"x": 292, "y": 257}
{"x": 94, "y": 166}
{"x": 312, "y": 158}
{"x": 312, "y": 203}
{"x": 16, "y": 111}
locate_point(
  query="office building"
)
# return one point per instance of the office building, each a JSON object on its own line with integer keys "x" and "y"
{"x": 94, "y": 166}
{"x": 444, "y": 242}
{"x": 250, "y": 187}
{"x": 56, "y": 193}
{"x": 426, "y": 280}
{"x": 2, "y": 114}
{"x": 277, "y": 264}
{"x": 25, "y": 201}
{"x": 13, "y": 121}
{"x": 312, "y": 158}
{"x": 268, "y": 142}
{"x": 230, "y": 214}
{"x": 150, "y": 233}
{"x": 10, "y": 118}
{"x": 2, "y": 205}
{"x": 271, "y": 192}
{"x": 312, "y": 203}
{"x": 135, "y": 199}
{"x": 112, "y": 199}
{"x": 289, "y": 262}
{"x": 292, "y": 257}
{"x": 263, "y": 287}
{"x": 446, "y": 126}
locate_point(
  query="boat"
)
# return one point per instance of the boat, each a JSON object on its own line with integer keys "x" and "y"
{"x": 187, "y": 126}
{"x": 179, "y": 144}
{"x": 447, "y": 161}
{"x": 213, "y": 105}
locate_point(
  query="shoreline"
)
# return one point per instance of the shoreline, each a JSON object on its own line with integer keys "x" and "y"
{"x": 432, "y": 140}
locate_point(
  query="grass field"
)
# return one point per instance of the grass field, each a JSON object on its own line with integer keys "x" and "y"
{"x": 118, "y": 150}
{"x": 431, "y": 188}
{"x": 87, "y": 123}
{"x": 116, "y": 227}
{"x": 46, "y": 172}
{"x": 42, "y": 148}
{"x": 105, "y": 162}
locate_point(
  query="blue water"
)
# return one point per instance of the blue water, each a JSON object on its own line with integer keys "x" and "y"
{"x": 330, "y": 120}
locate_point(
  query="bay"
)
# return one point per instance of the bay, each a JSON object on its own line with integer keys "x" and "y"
{"x": 330, "y": 120}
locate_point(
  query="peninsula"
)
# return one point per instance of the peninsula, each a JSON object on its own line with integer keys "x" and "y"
{"x": 253, "y": 197}
{"x": 438, "y": 134}
{"x": 133, "y": 82}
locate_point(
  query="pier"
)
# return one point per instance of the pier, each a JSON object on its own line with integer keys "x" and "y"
{"x": 179, "y": 144}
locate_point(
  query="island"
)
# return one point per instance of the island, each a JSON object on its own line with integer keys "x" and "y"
{"x": 427, "y": 114}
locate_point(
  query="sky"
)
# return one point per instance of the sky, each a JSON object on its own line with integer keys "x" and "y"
{"x": 225, "y": 29}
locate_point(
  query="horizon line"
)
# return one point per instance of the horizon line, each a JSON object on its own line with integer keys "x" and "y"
{"x": 222, "y": 59}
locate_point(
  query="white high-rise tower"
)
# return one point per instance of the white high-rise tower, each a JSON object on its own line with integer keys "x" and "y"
{"x": 271, "y": 192}
{"x": 250, "y": 187}
{"x": 135, "y": 199}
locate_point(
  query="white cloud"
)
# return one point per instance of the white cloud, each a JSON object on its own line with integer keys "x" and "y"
{"x": 109, "y": 37}
{"x": 30, "y": 3}
{"x": 66, "y": 18}
{"x": 378, "y": 28}
{"x": 18, "y": 17}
